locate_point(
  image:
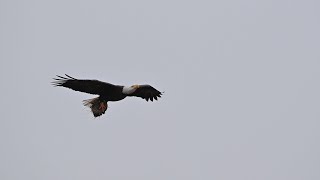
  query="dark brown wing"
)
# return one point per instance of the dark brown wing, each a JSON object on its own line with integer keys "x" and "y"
{"x": 87, "y": 86}
{"x": 147, "y": 92}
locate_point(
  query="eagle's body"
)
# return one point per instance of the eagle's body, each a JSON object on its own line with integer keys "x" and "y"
{"x": 106, "y": 91}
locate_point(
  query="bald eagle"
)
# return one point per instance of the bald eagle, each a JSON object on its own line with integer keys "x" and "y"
{"x": 106, "y": 91}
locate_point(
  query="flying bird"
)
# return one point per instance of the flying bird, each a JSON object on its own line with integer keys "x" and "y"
{"x": 106, "y": 91}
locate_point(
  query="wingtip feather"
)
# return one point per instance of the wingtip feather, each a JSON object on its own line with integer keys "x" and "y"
{"x": 70, "y": 77}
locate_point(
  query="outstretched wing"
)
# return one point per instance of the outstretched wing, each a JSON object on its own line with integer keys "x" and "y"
{"x": 87, "y": 86}
{"x": 147, "y": 92}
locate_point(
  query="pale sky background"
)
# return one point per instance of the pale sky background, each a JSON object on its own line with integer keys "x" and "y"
{"x": 241, "y": 82}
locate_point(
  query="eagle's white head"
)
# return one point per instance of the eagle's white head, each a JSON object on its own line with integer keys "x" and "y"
{"x": 130, "y": 89}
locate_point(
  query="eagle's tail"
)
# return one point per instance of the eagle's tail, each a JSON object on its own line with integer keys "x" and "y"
{"x": 97, "y": 106}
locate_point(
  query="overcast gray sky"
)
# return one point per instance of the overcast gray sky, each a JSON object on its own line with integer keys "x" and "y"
{"x": 241, "y": 82}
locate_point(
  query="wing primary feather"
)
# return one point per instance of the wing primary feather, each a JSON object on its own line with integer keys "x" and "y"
{"x": 70, "y": 77}
{"x": 62, "y": 77}
{"x": 56, "y": 79}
